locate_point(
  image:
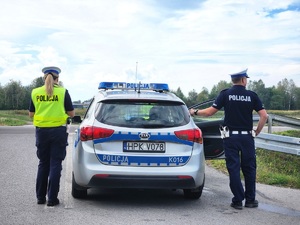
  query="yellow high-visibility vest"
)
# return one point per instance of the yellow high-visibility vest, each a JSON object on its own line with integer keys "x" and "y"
{"x": 49, "y": 111}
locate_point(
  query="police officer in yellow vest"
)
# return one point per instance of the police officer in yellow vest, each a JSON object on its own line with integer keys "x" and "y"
{"x": 50, "y": 107}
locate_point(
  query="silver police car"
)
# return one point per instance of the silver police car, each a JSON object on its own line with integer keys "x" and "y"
{"x": 140, "y": 135}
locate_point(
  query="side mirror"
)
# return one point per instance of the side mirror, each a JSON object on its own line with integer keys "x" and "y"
{"x": 76, "y": 119}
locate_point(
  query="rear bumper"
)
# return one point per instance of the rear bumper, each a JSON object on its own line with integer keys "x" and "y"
{"x": 90, "y": 173}
{"x": 153, "y": 182}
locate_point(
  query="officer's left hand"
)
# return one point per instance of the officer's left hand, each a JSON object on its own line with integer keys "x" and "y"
{"x": 192, "y": 111}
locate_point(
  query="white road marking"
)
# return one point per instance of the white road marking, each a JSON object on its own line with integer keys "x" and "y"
{"x": 68, "y": 176}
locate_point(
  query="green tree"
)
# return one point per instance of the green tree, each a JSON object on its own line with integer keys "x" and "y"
{"x": 180, "y": 94}
{"x": 287, "y": 90}
{"x": 265, "y": 94}
{"x": 192, "y": 98}
{"x": 37, "y": 82}
{"x": 27, "y": 96}
{"x": 219, "y": 87}
{"x": 297, "y": 98}
{"x": 2, "y": 98}
{"x": 14, "y": 95}
{"x": 285, "y": 96}
{"x": 203, "y": 95}
{"x": 292, "y": 94}
{"x": 277, "y": 100}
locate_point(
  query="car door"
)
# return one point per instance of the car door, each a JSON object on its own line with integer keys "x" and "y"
{"x": 213, "y": 144}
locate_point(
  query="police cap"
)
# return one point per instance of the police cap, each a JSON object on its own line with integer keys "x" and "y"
{"x": 51, "y": 69}
{"x": 240, "y": 74}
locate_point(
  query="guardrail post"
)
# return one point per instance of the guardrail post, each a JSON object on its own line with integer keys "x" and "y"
{"x": 270, "y": 121}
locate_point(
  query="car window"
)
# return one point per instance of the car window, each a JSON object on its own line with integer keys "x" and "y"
{"x": 89, "y": 109}
{"x": 143, "y": 114}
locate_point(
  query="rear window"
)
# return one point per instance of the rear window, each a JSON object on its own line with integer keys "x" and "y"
{"x": 143, "y": 114}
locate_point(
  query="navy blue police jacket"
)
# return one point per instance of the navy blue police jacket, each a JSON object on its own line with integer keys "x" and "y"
{"x": 238, "y": 104}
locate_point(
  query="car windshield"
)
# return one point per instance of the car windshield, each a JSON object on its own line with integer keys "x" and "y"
{"x": 142, "y": 114}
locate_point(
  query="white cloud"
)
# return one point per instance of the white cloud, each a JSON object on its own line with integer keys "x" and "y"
{"x": 190, "y": 46}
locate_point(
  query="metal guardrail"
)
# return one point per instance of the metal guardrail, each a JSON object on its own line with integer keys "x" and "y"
{"x": 278, "y": 143}
{"x": 283, "y": 120}
{"x": 273, "y": 142}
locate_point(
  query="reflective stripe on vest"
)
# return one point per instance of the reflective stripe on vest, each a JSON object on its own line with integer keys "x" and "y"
{"x": 49, "y": 111}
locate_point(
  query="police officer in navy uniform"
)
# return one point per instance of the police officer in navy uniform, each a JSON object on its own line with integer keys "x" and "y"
{"x": 50, "y": 107}
{"x": 238, "y": 136}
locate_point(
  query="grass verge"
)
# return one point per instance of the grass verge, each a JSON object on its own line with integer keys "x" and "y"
{"x": 21, "y": 117}
{"x": 14, "y": 118}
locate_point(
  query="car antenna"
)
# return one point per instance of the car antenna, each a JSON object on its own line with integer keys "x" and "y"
{"x": 136, "y": 66}
{"x": 139, "y": 91}
{"x": 136, "y": 77}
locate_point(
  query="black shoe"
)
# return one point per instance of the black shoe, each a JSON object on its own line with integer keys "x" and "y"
{"x": 41, "y": 201}
{"x": 237, "y": 205}
{"x": 251, "y": 204}
{"x": 53, "y": 203}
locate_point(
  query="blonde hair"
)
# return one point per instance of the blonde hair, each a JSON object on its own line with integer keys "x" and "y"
{"x": 49, "y": 83}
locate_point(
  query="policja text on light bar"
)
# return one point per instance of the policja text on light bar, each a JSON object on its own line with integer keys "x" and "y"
{"x": 142, "y": 86}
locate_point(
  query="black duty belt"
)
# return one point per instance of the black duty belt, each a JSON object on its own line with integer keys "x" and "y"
{"x": 50, "y": 127}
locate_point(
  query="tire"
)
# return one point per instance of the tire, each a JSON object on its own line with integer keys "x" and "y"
{"x": 193, "y": 194}
{"x": 77, "y": 191}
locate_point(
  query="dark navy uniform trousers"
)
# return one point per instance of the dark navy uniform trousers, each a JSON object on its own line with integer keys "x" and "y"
{"x": 51, "y": 151}
{"x": 240, "y": 154}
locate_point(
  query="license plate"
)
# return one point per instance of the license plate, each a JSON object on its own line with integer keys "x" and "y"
{"x": 140, "y": 146}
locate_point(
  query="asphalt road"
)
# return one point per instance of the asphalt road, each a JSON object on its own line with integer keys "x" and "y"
{"x": 18, "y": 165}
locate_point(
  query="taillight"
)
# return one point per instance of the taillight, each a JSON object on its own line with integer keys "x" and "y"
{"x": 194, "y": 135}
{"x": 91, "y": 133}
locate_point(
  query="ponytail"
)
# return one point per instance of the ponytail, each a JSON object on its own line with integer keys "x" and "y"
{"x": 49, "y": 83}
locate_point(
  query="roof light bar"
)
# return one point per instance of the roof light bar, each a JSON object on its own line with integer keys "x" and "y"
{"x": 141, "y": 86}
{"x": 112, "y": 85}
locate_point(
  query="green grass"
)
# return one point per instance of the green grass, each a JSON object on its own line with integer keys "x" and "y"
{"x": 80, "y": 112}
{"x": 273, "y": 168}
{"x": 21, "y": 117}
{"x": 14, "y": 118}
{"x": 277, "y": 168}
{"x": 289, "y": 113}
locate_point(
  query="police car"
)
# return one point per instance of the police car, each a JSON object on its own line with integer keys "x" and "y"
{"x": 140, "y": 135}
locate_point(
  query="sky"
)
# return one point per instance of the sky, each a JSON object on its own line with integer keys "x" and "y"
{"x": 191, "y": 44}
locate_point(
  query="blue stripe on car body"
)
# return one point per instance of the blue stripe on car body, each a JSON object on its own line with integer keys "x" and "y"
{"x": 155, "y": 136}
{"x": 125, "y": 160}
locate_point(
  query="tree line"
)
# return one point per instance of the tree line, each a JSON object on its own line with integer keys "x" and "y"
{"x": 15, "y": 96}
{"x": 284, "y": 96}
